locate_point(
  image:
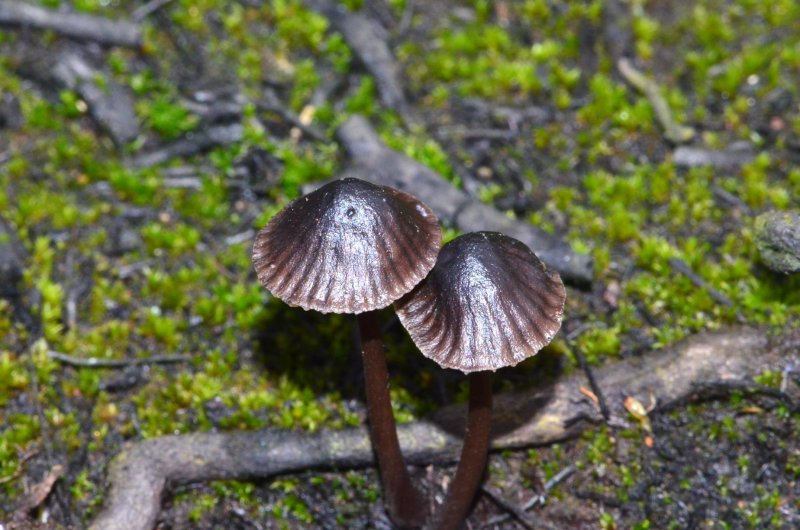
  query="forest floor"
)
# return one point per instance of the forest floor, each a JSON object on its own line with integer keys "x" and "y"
{"x": 134, "y": 176}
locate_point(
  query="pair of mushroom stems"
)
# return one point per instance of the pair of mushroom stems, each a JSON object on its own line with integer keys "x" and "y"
{"x": 406, "y": 505}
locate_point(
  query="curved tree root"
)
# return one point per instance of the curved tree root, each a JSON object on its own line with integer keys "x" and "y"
{"x": 139, "y": 475}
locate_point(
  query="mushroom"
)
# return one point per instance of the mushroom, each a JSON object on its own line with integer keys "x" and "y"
{"x": 488, "y": 303}
{"x": 354, "y": 247}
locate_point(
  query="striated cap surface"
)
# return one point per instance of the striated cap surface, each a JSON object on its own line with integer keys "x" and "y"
{"x": 348, "y": 247}
{"x": 489, "y": 302}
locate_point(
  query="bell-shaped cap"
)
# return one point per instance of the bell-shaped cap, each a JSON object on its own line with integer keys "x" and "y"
{"x": 348, "y": 247}
{"x": 489, "y": 302}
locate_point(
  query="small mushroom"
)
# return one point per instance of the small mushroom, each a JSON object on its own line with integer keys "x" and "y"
{"x": 488, "y": 303}
{"x": 354, "y": 247}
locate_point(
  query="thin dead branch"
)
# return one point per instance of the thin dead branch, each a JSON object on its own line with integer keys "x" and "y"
{"x": 683, "y": 268}
{"x": 109, "y": 103}
{"x": 145, "y": 10}
{"x": 696, "y": 156}
{"x": 203, "y": 139}
{"x": 528, "y": 520}
{"x": 140, "y": 473}
{"x": 94, "y": 362}
{"x": 76, "y": 25}
{"x": 368, "y": 41}
{"x": 673, "y": 131}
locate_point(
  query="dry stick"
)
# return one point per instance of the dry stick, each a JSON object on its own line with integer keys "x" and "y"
{"x": 536, "y": 499}
{"x": 367, "y": 40}
{"x": 406, "y": 506}
{"x": 139, "y": 475}
{"x": 76, "y": 25}
{"x": 530, "y": 521}
{"x": 686, "y": 156}
{"x": 682, "y": 267}
{"x": 144, "y": 11}
{"x": 110, "y": 104}
{"x": 601, "y": 400}
{"x": 673, "y": 131}
{"x": 94, "y": 362}
{"x": 474, "y": 453}
{"x": 201, "y": 139}
{"x": 550, "y": 484}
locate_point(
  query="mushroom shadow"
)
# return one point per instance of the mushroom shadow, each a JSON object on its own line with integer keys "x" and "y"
{"x": 322, "y": 352}
{"x": 314, "y": 350}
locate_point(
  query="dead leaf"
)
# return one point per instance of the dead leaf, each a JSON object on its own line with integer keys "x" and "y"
{"x": 38, "y": 493}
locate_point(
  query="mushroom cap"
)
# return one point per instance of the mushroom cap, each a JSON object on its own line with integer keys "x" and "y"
{"x": 348, "y": 247}
{"x": 489, "y": 302}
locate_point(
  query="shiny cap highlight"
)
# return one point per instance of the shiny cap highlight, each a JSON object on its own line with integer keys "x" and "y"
{"x": 488, "y": 303}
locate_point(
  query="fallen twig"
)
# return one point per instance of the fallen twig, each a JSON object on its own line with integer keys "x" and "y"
{"x": 549, "y": 485}
{"x": 682, "y": 267}
{"x": 696, "y": 156}
{"x": 145, "y": 10}
{"x": 110, "y": 104}
{"x": 203, "y": 139}
{"x": 94, "y": 362}
{"x": 139, "y": 475}
{"x": 537, "y": 499}
{"x": 528, "y": 520}
{"x": 368, "y": 41}
{"x": 76, "y": 25}
{"x": 673, "y": 131}
{"x": 596, "y": 390}
{"x": 374, "y": 161}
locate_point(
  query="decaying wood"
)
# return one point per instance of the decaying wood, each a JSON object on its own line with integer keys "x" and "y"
{"x": 95, "y": 362}
{"x": 374, "y": 161}
{"x": 203, "y": 139}
{"x": 76, "y": 25}
{"x": 109, "y": 104}
{"x": 696, "y": 156}
{"x": 368, "y": 41}
{"x": 673, "y": 131}
{"x": 139, "y": 475}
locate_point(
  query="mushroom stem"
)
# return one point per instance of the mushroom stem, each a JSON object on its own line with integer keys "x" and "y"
{"x": 405, "y": 504}
{"x": 474, "y": 454}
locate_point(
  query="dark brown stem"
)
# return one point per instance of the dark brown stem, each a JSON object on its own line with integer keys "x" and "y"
{"x": 473, "y": 455}
{"x": 406, "y": 506}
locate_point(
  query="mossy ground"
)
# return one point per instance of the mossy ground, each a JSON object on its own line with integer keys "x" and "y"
{"x": 580, "y": 153}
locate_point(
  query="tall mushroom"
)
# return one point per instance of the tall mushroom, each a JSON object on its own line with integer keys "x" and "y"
{"x": 354, "y": 247}
{"x": 489, "y": 302}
